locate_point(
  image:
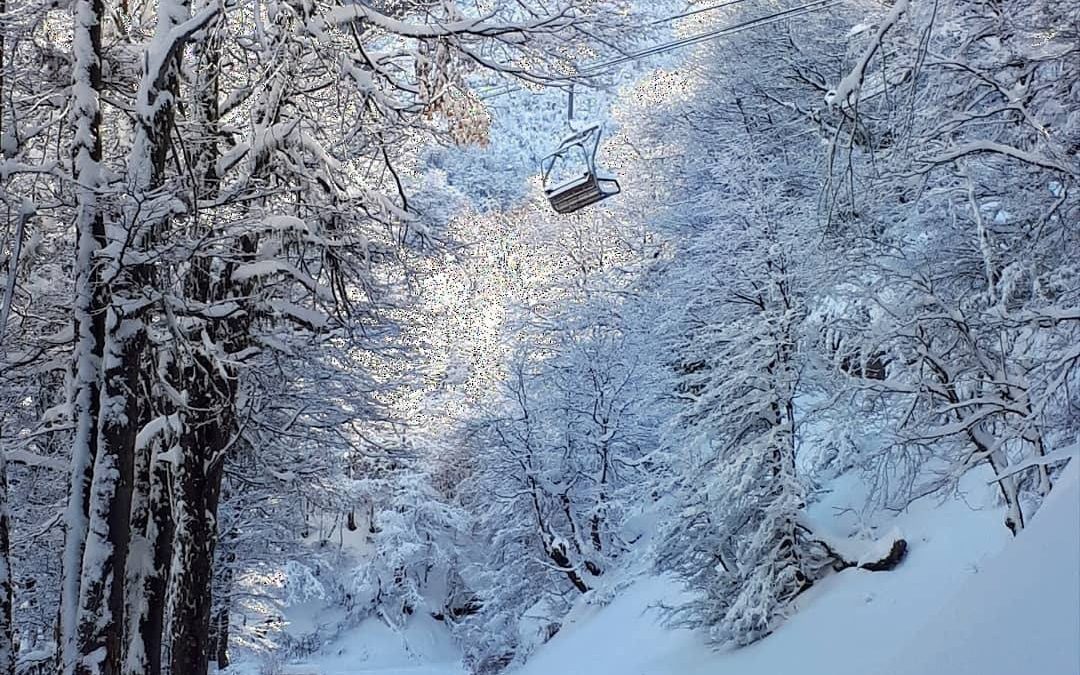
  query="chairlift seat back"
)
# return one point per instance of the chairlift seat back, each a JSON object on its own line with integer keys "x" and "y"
{"x": 576, "y": 195}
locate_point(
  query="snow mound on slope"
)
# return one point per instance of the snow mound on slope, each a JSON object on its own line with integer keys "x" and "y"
{"x": 423, "y": 647}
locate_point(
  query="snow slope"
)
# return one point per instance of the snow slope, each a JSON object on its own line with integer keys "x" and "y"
{"x": 422, "y": 648}
{"x": 967, "y": 600}
{"x": 1021, "y": 613}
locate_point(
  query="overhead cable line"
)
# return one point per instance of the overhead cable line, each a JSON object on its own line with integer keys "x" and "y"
{"x": 695, "y": 12}
{"x": 598, "y": 68}
{"x": 720, "y": 32}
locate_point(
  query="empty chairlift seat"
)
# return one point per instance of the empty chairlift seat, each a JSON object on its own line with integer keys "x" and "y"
{"x": 571, "y": 178}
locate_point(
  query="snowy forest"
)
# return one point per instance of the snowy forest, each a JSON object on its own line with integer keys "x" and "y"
{"x": 592, "y": 337}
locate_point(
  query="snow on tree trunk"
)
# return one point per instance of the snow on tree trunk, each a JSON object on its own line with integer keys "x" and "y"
{"x": 100, "y": 642}
{"x": 148, "y": 561}
{"x": 208, "y": 424}
{"x": 87, "y": 310}
{"x": 161, "y": 533}
{"x": 988, "y": 447}
{"x": 180, "y": 526}
{"x": 196, "y": 488}
{"x": 102, "y": 596}
{"x": 207, "y": 429}
{"x": 140, "y": 556}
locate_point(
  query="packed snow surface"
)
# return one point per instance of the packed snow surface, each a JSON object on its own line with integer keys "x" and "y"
{"x": 373, "y": 648}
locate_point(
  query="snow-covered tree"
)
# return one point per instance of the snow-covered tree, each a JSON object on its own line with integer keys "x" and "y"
{"x": 746, "y": 269}
{"x": 223, "y": 211}
{"x": 962, "y": 219}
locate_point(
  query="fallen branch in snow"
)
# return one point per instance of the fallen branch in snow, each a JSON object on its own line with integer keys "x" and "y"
{"x": 880, "y": 556}
{"x": 892, "y": 559}
{"x": 883, "y": 563}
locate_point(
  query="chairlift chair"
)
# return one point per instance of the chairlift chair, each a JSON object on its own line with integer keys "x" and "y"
{"x": 570, "y": 176}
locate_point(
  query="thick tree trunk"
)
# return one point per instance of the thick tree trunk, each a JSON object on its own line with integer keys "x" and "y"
{"x": 196, "y": 488}
{"x": 103, "y": 632}
{"x": 88, "y": 312}
{"x": 101, "y": 623}
{"x": 7, "y": 633}
{"x": 104, "y": 566}
{"x": 209, "y": 421}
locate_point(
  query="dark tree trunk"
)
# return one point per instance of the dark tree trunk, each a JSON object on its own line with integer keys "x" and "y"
{"x": 196, "y": 487}
{"x": 7, "y": 634}
{"x": 104, "y": 568}
{"x": 148, "y": 564}
{"x": 209, "y": 421}
{"x": 100, "y": 616}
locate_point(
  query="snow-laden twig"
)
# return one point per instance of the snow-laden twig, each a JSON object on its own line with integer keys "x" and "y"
{"x": 982, "y": 146}
{"x": 847, "y": 91}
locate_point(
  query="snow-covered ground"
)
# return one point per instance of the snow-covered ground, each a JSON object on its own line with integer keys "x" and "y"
{"x": 1021, "y": 613}
{"x": 373, "y": 648}
{"x": 424, "y": 648}
{"x": 967, "y": 600}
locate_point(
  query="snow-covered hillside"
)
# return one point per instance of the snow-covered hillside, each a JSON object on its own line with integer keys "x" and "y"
{"x": 1020, "y": 613}
{"x": 968, "y": 600}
